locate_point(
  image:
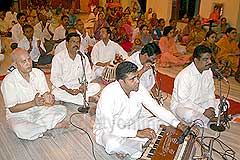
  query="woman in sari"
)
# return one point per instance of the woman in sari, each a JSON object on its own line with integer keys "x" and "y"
{"x": 228, "y": 57}
{"x": 210, "y": 43}
{"x": 101, "y": 22}
{"x": 142, "y": 38}
{"x": 195, "y": 37}
{"x": 169, "y": 51}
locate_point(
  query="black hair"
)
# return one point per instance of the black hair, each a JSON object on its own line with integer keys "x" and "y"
{"x": 19, "y": 15}
{"x": 209, "y": 33}
{"x": 70, "y": 35}
{"x": 26, "y": 26}
{"x": 108, "y": 29}
{"x": 124, "y": 68}
{"x": 151, "y": 49}
{"x": 166, "y": 30}
{"x": 201, "y": 49}
{"x": 230, "y": 29}
{"x": 142, "y": 26}
{"x": 64, "y": 17}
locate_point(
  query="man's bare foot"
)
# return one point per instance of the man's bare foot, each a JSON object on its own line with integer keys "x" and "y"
{"x": 93, "y": 99}
{"x": 92, "y": 110}
{"x": 121, "y": 155}
{"x": 63, "y": 124}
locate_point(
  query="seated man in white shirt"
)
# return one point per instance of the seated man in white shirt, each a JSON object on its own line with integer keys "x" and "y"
{"x": 120, "y": 125}
{"x": 67, "y": 74}
{"x": 34, "y": 47}
{"x": 30, "y": 109}
{"x": 145, "y": 60}
{"x": 104, "y": 51}
{"x": 193, "y": 94}
{"x": 60, "y": 31}
{"x": 17, "y": 32}
{"x": 86, "y": 40}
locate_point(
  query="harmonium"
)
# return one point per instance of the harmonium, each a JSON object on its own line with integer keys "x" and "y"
{"x": 165, "y": 146}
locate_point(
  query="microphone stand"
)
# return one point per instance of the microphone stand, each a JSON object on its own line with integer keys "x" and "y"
{"x": 85, "y": 107}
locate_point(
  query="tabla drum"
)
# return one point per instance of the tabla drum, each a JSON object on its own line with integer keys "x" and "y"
{"x": 109, "y": 74}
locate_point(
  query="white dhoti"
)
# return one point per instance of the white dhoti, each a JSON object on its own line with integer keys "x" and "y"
{"x": 62, "y": 95}
{"x": 188, "y": 114}
{"x": 98, "y": 70}
{"x": 132, "y": 146}
{"x": 31, "y": 124}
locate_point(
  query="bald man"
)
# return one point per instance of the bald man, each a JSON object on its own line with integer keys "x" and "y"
{"x": 30, "y": 109}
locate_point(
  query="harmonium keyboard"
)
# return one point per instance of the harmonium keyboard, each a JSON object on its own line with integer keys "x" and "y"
{"x": 165, "y": 146}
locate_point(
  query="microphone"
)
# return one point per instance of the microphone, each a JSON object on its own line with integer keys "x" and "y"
{"x": 184, "y": 134}
{"x": 215, "y": 70}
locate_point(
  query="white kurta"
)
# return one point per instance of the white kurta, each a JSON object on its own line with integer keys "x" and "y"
{"x": 17, "y": 33}
{"x": 193, "y": 93}
{"x": 60, "y": 47}
{"x": 59, "y": 33}
{"x": 147, "y": 79}
{"x": 68, "y": 72}
{"x": 119, "y": 117}
{"x": 35, "y": 53}
{"x": 33, "y": 122}
{"x": 86, "y": 42}
{"x": 104, "y": 53}
{"x": 41, "y": 33}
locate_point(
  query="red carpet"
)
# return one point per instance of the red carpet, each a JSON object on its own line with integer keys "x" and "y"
{"x": 167, "y": 86}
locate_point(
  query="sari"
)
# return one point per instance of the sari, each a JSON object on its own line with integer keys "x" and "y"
{"x": 195, "y": 37}
{"x": 228, "y": 56}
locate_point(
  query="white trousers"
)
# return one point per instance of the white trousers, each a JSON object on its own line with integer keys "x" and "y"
{"x": 132, "y": 146}
{"x": 61, "y": 95}
{"x": 188, "y": 114}
{"x": 31, "y": 125}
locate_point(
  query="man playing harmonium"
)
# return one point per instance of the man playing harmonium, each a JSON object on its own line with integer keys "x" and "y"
{"x": 121, "y": 127}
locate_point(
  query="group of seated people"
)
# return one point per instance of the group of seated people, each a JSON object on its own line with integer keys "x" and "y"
{"x": 128, "y": 113}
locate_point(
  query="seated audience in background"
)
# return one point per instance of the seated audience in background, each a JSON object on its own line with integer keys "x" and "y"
{"x": 161, "y": 25}
{"x": 104, "y": 51}
{"x": 136, "y": 30}
{"x": 170, "y": 55}
{"x": 195, "y": 37}
{"x": 209, "y": 41}
{"x": 60, "y": 31}
{"x": 101, "y": 22}
{"x": 228, "y": 57}
{"x": 187, "y": 30}
{"x": 121, "y": 126}
{"x": 17, "y": 32}
{"x": 67, "y": 74}
{"x": 72, "y": 18}
{"x": 30, "y": 109}
{"x": 193, "y": 94}
{"x": 221, "y": 28}
{"x": 34, "y": 47}
{"x": 11, "y": 17}
{"x": 142, "y": 38}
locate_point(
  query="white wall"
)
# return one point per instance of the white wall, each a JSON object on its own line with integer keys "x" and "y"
{"x": 231, "y": 10}
{"x": 163, "y": 8}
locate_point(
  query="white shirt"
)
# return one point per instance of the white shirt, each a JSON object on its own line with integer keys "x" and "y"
{"x": 17, "y": 33}
{"x": 60, "y": 47}
{"x": 68, "y": 72}
{"x": 59, "y": 33}
{"x": 3, "y": 25}
{"x": 86, "y": 42}
{"x": 41, "y": 33}
{"x": 116, "y": 111}
{"x": 104, "y": 53}
{"x": 35, "y": 53}
{"x": 10, "y": 17}
{"x": 147, "y": 79}
{"x": 193, "y": 87}
{"x": 16, "y": 89}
